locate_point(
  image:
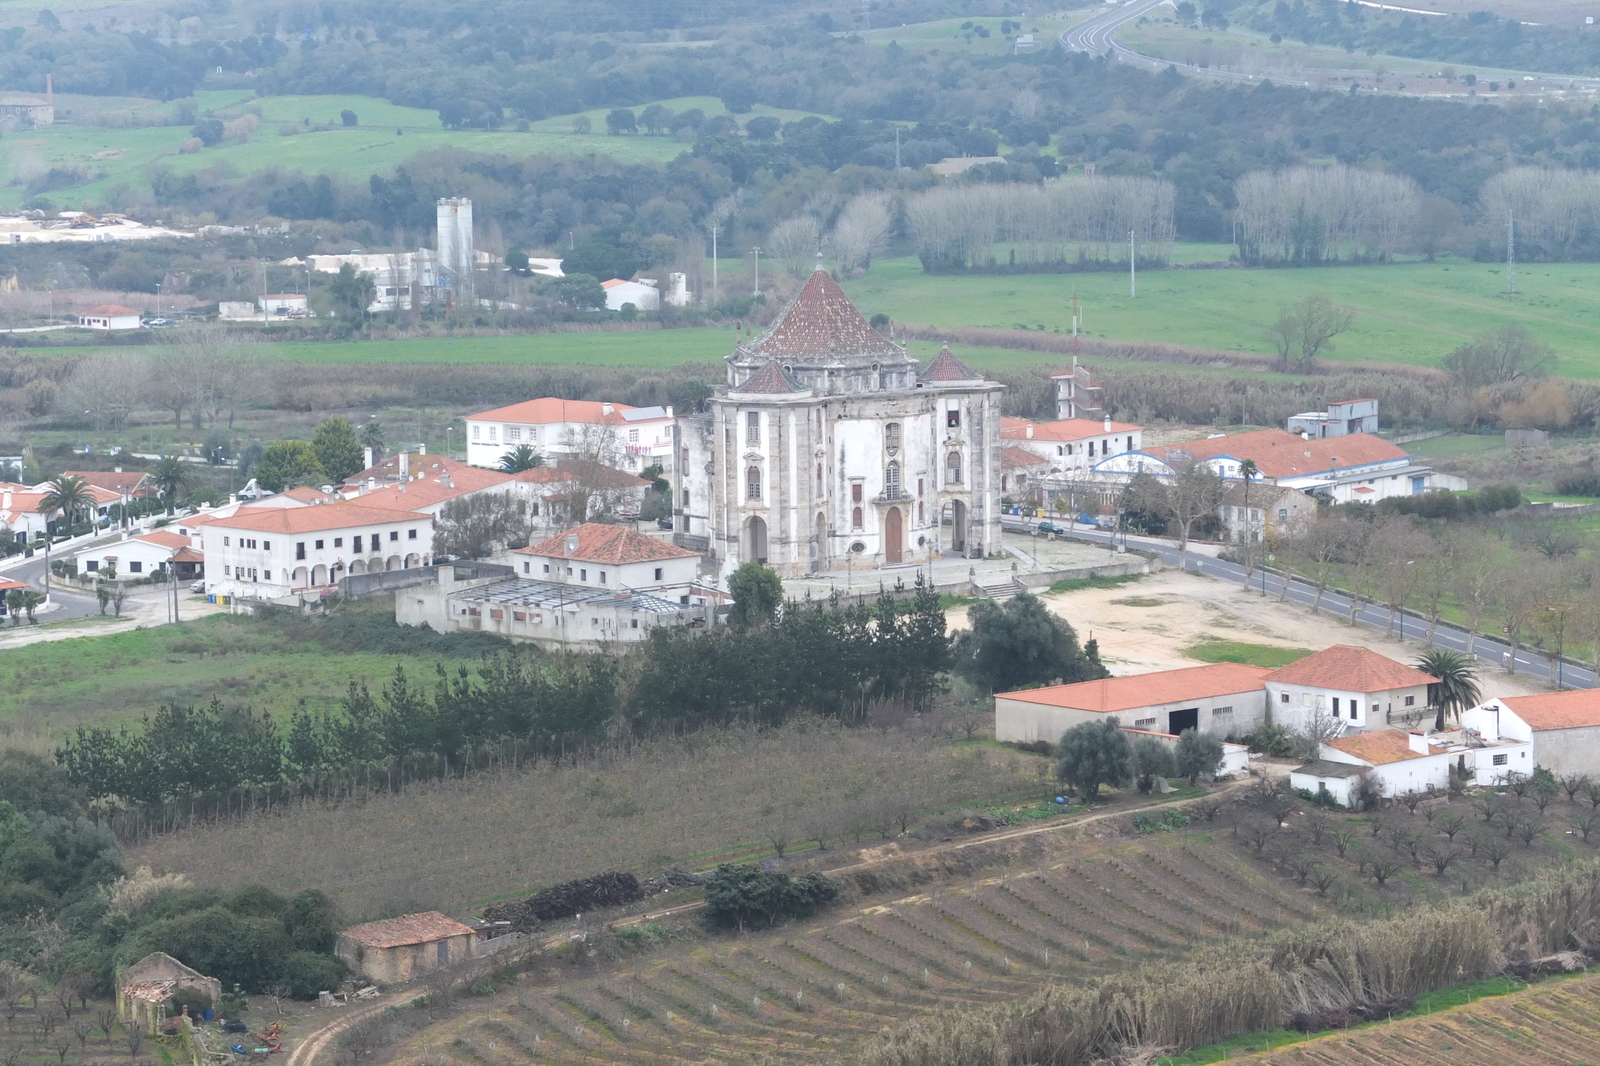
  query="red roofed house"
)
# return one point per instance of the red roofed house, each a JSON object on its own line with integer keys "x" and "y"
{"x": 1562, "y": 730}
{"x": 126, "y": 484}
{"x": 109, "y": 316}
{"x": 144, "y": 555}
{"x": 395, "y": 950}
{"x": 1020, "y": 472}
{"x": 1221, "y": 698}
{"x": 1356, "y": 467}
{"x": 629, "y": 438}
{"x": 828, "y": 446}
{"x": 1360, "y": 688}
{"x": 1072, "y": 445}
{"x": 643, "y": 295}
{"x": 610, "y": 557}
{"x": 270, "y": 552}
{"x": 1400, "y": 762}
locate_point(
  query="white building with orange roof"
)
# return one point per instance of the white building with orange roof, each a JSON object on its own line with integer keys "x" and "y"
{"x": 1399, "y": 762}
{"x": 829, "y": 447}
{"x": 611, "y": 557}
{"x": 145, "y": 555}
{"x": 1219, "y": 698}
{"x": 614, "y": 434}
{"x": 109, "y": 316}
{"x": 270, "y": 552}
{"x": 1355, "y": 687}
{"x": 1560, "y": 729}
{"x": 1071, "y": 446}
{"x": 19, "y": 508}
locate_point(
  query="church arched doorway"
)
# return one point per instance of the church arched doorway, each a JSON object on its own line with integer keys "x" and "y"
{"x": 958, "y": 527}
{"x": 893, "y": 536}
{"x": 755, "y": 540}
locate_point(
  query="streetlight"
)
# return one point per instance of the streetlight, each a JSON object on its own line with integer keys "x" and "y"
{"x": 1561, "y": 628}
{"x": 756, "y": 251}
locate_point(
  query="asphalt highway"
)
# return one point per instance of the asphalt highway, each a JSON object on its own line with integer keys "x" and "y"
{"x": 1490, "y": 648}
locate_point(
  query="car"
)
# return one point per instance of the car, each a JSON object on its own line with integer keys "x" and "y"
{"x": 664, "y": 522}
{"x": 1049, "y": 527}
{"x": 198, "y": 586}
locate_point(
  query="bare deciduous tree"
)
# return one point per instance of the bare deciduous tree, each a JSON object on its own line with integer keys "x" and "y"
{"x": 1305, "y": 330}
{"x": 796, "y": 244}
{"x": 861, "y": 232}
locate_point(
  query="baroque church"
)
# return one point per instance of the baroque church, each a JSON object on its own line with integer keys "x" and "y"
{"x": 829, "y": 447}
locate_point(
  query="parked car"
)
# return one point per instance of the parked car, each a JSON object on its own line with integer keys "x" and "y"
{"x": 664, "y": 522}
{"x": 199, "y": 587}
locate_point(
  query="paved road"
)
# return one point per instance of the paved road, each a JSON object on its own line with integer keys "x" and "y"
{"x": 70, "y": 602}
{"x": 1488, "y": 648}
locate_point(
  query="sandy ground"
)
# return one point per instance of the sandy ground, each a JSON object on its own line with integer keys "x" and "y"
{"x": 1137, "y": 637}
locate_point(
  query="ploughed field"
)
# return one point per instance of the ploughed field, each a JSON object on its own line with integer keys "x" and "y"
{"x": 1548, "y": 1025}
{"x": 802, "y": 992}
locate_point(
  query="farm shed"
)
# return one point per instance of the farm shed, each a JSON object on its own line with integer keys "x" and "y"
{"x": 144, "y": 988}
{"x": 1563, "y": 727}
{"x": 1222, "y": 699}
{"x": 1401, "y": 762}
{"x": 397, "y": 949}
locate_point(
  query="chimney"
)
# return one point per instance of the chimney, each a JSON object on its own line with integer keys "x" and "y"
{"x": 117, "y": 470}
{"x": 572, "y": 543}
{"x": 1108, "y": 424}
{"x": 422, "y": 449}
{"x": 372, "y": 483}
{"x": 405, "y": 466}
{"x": 669, "y": 410}
{"x": 1030, "y": 430}
{"x": 444, "y": 479}
{"x": 1419, "y": 742}
{"x": 366, "y": 454}
{"x": 605, "y": 409}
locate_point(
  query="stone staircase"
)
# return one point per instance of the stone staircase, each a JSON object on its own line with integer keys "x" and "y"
{"x": 997, "y": 587}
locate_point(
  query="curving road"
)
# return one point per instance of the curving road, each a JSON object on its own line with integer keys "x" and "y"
{"x": 1488, "y": 648}
{"x": 1097, "y": 36}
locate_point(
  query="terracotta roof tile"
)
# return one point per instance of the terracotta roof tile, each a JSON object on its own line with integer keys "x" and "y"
{"x": 407, "y": 929}
{"x": 426, "y": 491}
{"x": 822, "y": 322}
{"x": 1350, "y": 669}
{"x": 1558, "y": 710}
{"x": 121, "y": 482}
{"x": 548, "y": 409}
{"x": 1067, "y": 429}
{"x": 311, "y": 519}
{"x": 1019, "y": 457}
{"x": 946, "y": 367}
{"x": 389, "y": 469}
{"x": 1146, "y": 690}
{"x": 598, "y": 543}
{"x": 769, "y": 379}
{"x": 1279, "y": 453}
{"x": 161, "y": 538}
{"x": 108, "y": 311}
{"x": 1380, "y": 747}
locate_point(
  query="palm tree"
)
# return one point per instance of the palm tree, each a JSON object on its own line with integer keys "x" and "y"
{"x": 1249, "y": 471}
{"x": 519, "y": 459}
{"x": 67, "y": 495}
{"x": 170, "y": 477}
{"x": 1457, "y": 688}
{"x": 372, "y": 437}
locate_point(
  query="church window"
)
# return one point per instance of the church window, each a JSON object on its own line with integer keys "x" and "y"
{"x": 686, "y": 499}
{"x": 855, "y": 518}
{"x": 752, "y": 428}
{"x": 919, "y": 486}
{"x": 752, "y": 483}
{"x": 891, "y": 481}
{"x": 683, "y": 455}
{"x": 891, "y": 436}
{"x": 952, "y": 418}
{"x": 952, "y": 468}
{"x": 855, "y": 492}
{"x": 819, "y": 479}
{"x": 920, "y": 516}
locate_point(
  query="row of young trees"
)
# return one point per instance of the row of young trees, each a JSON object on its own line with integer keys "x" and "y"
{"x": 1556, "y": 213}
{"x": 1319, "y": 214}
{"x": 1055, "y": 226}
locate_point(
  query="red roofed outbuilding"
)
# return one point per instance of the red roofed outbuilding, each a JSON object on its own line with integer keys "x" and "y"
{"x": 395, "y": 950}
{"x": 1563, "y": 729}
{"x": 1219, "y": 698}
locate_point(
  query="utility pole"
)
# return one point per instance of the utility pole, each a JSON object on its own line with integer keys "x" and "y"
{"x": 756, "y": 251}
{"x": 1511, "y": 253}
{"x": 897, "y": 147}
{"x": 713, "y": 266}
{"x": 1133, "y": 268}
{"x": 1074, "y": 327}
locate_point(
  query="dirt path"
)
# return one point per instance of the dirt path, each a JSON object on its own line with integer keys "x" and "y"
{"x": 318, "y": 1040}
{"x": 1146, "y": 625}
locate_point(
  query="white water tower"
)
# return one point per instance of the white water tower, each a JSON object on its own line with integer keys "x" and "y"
{"x": 456, "y": 253}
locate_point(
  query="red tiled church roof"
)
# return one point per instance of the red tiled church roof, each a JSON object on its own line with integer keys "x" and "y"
{"x": 822, "y": 322}
{"x": 946, "y": 367}
{"x": 769, "y": 379}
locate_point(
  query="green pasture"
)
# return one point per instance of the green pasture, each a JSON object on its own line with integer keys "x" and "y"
{"x": 386, "y": 137}
{"x": 948, "y": 35}
{"x": 1406, "y": 313}
{"x": 1219, "y": 650}
{"x": 116, "y": 678}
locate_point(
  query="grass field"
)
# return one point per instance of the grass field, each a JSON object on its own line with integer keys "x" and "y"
{"x": 1406, "y": 313}
{"x": 387, "y": 136}
{"x": 1218, "y": 650}
{"x": 53, "y": 687}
